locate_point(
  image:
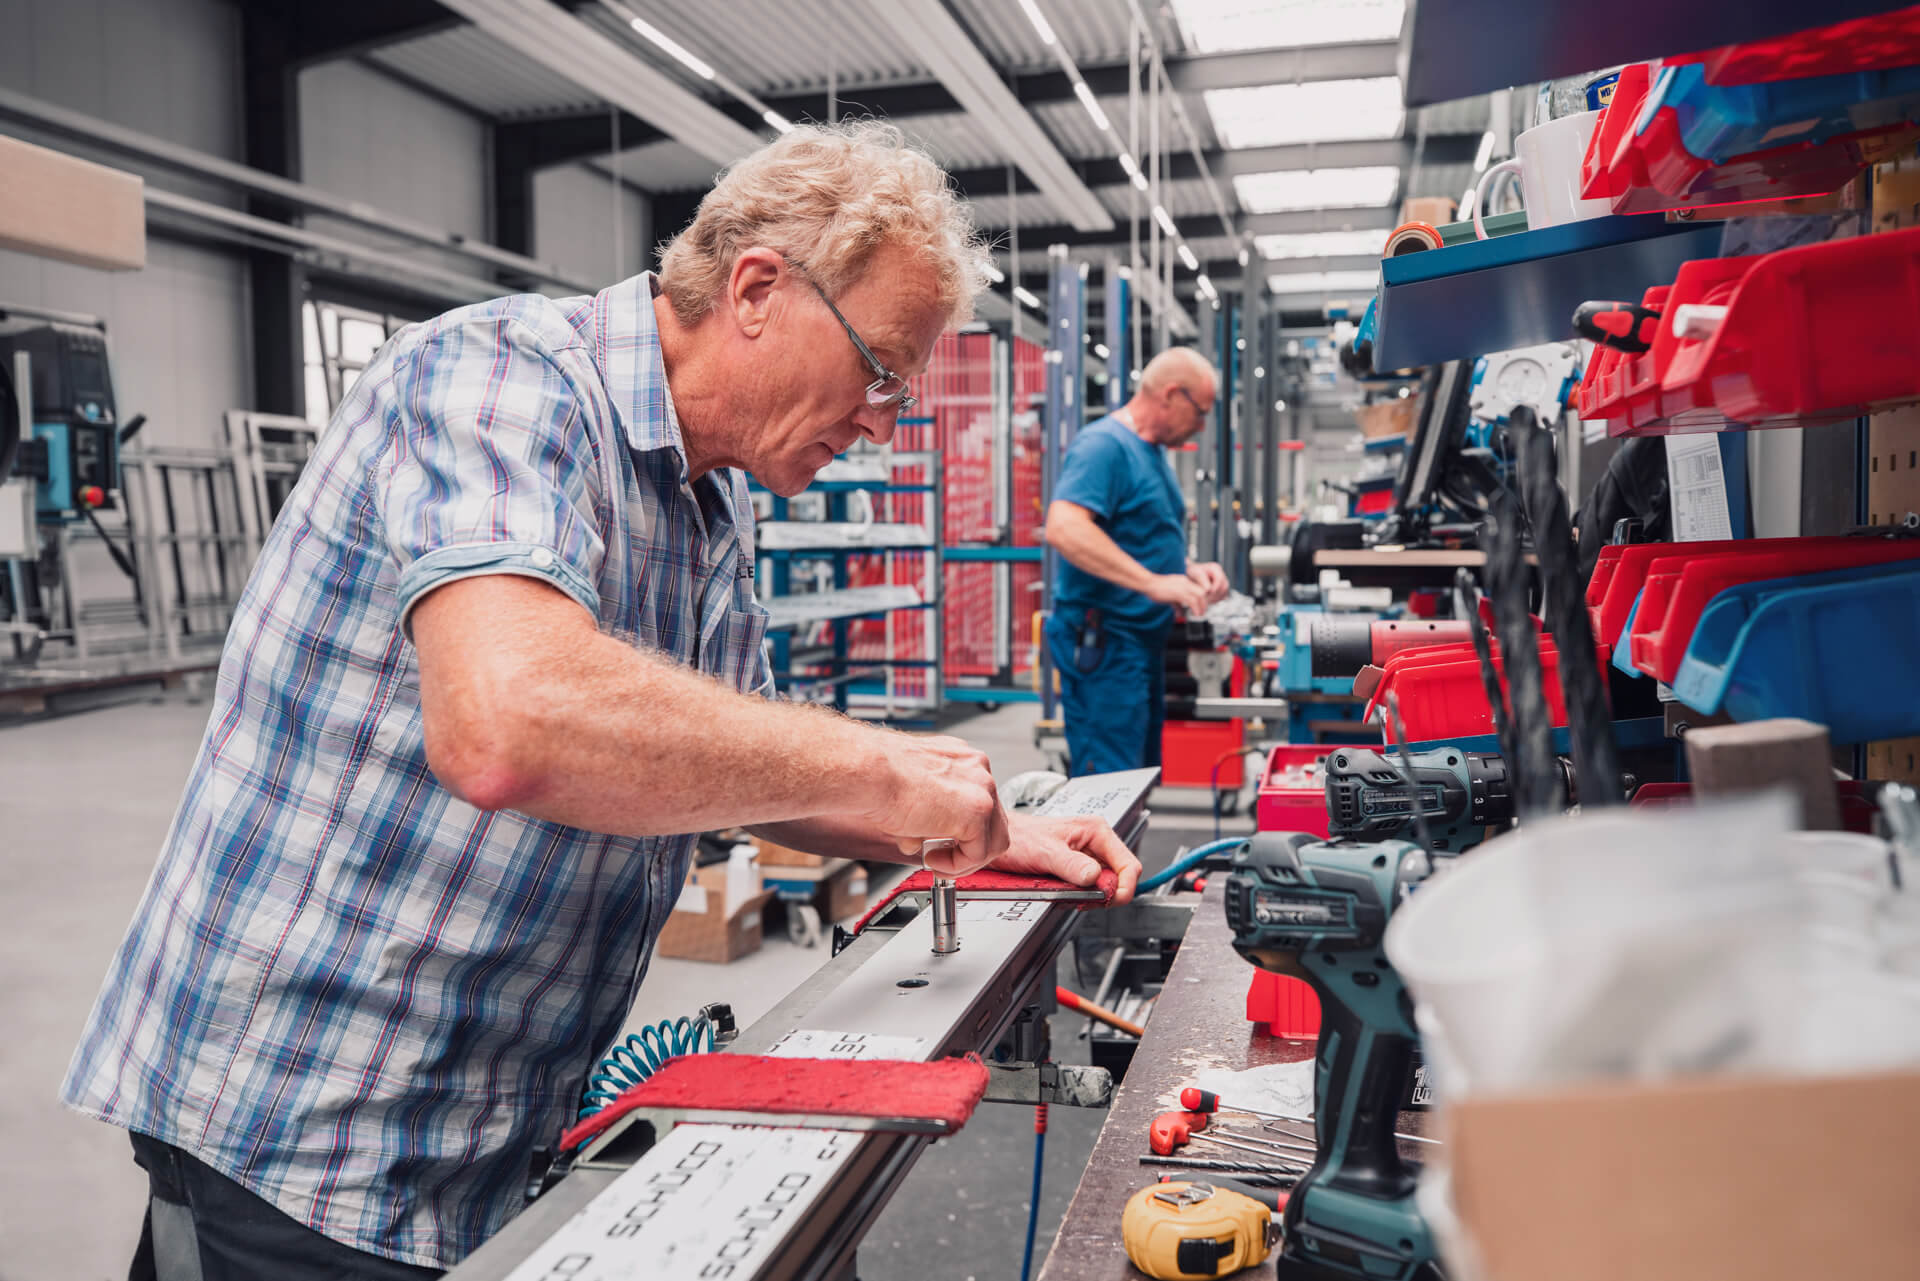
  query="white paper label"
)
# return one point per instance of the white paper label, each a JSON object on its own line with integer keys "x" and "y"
{"x": 1699, "y": 487}
{"x": 809, "y": 1043}
{"x": 693, "y": 898}
{"x": 709, "y": 1201}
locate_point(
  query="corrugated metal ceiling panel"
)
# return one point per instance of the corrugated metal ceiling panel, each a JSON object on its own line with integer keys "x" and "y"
{"x": 663, "y": 166}
{"x": 955, "y": 139}
{"x": 1187, "y": 198}
{"x": 1035, "y": 210}
{"x": 470, "y": 66}
{"x": 770, "y": 47}
{"x": 1071, "y": 126}
{"x": 1442, "y": 180}
{"x": 1091, "y": 31}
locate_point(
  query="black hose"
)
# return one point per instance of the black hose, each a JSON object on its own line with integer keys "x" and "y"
{"x": 1536, "y": 776}
{"x": 120, "y": 558}
{"x": 1596, "y": 761}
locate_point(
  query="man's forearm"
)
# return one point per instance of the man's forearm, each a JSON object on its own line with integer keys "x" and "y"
{"x": 1088, "y": 547}
{"x": 621, "y": 741}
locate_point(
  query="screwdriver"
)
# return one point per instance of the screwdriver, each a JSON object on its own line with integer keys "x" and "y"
{"x": 1206, "y": 1102}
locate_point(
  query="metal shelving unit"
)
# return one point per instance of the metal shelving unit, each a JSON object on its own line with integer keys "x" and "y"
{"x": 851, "y": 681}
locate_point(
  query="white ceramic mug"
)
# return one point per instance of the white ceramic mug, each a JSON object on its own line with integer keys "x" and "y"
{"x": 1547, "y": 159}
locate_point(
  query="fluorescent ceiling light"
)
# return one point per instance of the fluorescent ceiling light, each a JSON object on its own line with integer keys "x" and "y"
{"x": 1482, "y": 156}
{"x": 1100, "y": 350}
{"x": 1213, "y": 26}
{"x": 1087, "y": 100}
{"x": 1161, "y": 216}
{"x": 1321, "y": 282}
{"x": 1206, "y": 287}
{"x": 672, "y": 47}
{"x": 1186, "y": 256}
{"x": 1322, "y": 111}
{"x": 994, "y": 274}
{"x": 1243, "y": 257}
{"x": 1025, "y": 295}
{"x": 1039, "y": 21}
{"x": 1321, "y": 244}
{"x": 777, "y": 120}
{"x": 1371, "y": 185}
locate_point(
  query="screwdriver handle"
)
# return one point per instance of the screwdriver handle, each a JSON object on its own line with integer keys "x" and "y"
{"x": 1624, "y": 326}
{"x": 1195, "y": 1099}
{"x": 1171, "y": 1131}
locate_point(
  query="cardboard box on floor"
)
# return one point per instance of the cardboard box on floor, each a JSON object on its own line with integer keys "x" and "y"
{"x": 701, "y": 929}
{"x": 1718, "y": 1179}
{"x": 846, "y": 894}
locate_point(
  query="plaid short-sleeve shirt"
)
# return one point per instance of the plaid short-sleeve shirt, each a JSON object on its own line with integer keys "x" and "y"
{"x": 345, "y": 988}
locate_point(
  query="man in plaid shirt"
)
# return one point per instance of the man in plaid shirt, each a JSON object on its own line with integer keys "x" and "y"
{"x": 499, "y": 658}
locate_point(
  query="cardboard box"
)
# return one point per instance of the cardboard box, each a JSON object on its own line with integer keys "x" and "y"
{"x": 58, "y": 206}
{"x": 846, "y": 894}
{"x": 1394, "y": 417}
{"x": 701, "y": 929}
{"x": 772, "y": 855}
{"x": 1717, "y": 1179}
{"x": 1435, "y": 211}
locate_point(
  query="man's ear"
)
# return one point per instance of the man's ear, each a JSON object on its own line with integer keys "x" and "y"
{"x": 751, "y": 291}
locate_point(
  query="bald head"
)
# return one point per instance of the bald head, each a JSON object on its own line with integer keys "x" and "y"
{"x": 1175, "y": 397}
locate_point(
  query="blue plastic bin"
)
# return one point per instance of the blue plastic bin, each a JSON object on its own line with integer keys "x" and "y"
{"x": 1834, "y": 648}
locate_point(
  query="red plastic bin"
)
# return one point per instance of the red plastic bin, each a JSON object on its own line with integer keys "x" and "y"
{"x": 1288, "y": 1006}
{"x": 1293, "y": 789}
{"x": 1881, "y": 42}
{"x": 1190, "y": 749}
{"x": 1441, "y": 694}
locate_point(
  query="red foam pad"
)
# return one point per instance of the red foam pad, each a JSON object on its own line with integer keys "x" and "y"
{"x": 921, "y": 882}
{"x": 945, "y": 1091}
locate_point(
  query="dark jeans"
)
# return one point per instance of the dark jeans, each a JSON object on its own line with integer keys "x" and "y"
{"x": 1113, "y": 692}
{"x": 202, "y": 1226}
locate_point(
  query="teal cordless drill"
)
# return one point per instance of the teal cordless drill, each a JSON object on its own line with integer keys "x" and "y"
{"x": 1316, "y": 910}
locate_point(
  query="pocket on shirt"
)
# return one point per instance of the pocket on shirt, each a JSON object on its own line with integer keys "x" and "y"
{"x": 739, "y": 649}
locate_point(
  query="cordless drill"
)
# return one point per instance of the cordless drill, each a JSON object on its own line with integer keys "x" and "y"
{"x": 1457, "y": 795}
{"x": 1317, "y": 910}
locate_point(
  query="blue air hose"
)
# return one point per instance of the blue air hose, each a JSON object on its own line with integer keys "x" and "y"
{"x": 1192, "y": 858}
{"x": 641, "y": 1055}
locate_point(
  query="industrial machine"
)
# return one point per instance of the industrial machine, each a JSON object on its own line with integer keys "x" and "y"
{"x": 1317, "y": 910}
{"x": 71, "y": 446}
{"x": 691, "y": 1195}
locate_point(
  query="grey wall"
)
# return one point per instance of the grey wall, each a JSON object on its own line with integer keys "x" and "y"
{"x": 367, "y": 136}
{"x": 575, "y": 227}
{"x": 167, "y": 67}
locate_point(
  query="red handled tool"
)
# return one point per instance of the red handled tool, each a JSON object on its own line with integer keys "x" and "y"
{"x": 1173, "y": 1130}
{"x": 1623, "y": 326}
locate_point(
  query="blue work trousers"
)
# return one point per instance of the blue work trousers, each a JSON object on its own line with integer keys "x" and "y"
{"x": 1113, "y": 692}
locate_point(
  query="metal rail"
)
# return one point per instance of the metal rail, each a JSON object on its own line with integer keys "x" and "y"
{"x": 807, "y": 1195}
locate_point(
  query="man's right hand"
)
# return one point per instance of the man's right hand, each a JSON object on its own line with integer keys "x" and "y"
{"x": 935, "y": 787}
{"x": 1179, "y": 591}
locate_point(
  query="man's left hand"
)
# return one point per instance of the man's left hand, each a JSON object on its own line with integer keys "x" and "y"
{"x": 1212, "y": 578}
{"x": 1073, "y": 849}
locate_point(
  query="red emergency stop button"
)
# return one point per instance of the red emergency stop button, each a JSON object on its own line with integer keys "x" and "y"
{"x": 92, "y": 496}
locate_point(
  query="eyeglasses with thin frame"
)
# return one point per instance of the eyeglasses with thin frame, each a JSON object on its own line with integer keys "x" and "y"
{"x": 888, "y": 390}
{"x": 1191, "y": 401}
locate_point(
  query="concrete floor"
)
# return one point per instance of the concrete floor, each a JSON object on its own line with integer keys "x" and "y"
{"x": 84, "y": 803}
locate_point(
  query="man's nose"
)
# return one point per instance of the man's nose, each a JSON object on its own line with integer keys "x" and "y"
{"x": 877, "y": 425}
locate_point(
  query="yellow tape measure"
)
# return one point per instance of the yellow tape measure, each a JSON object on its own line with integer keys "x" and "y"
{"x": 1177, "y": 1231}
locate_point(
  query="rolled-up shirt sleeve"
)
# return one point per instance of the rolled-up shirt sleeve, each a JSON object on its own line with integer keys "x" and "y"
{"x": 491, "y": 469}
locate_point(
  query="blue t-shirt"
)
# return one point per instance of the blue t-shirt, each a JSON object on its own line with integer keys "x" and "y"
{"x": 1129, "y": 487}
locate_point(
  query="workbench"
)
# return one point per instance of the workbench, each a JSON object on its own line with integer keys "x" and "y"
{"x": 1198, "y": 1022}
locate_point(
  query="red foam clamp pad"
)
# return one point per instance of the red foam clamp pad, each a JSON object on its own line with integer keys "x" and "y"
{"x": 945, "y": 1091}
{"x": 921, "y": 882}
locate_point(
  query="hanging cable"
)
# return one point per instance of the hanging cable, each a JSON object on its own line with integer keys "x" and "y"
{"x": 1033, "y": 1204}
{"x": 1191, "y": 859}
{"x": 1467, "y": 600}
{"x": 1537, "y": 777}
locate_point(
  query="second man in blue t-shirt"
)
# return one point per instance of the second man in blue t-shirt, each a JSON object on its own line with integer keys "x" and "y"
{"x": 1119, "y": 523}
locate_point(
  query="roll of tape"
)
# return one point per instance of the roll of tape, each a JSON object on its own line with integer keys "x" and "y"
{"x": 1411, "y": 238}
{"x": 1270, "y": 562}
